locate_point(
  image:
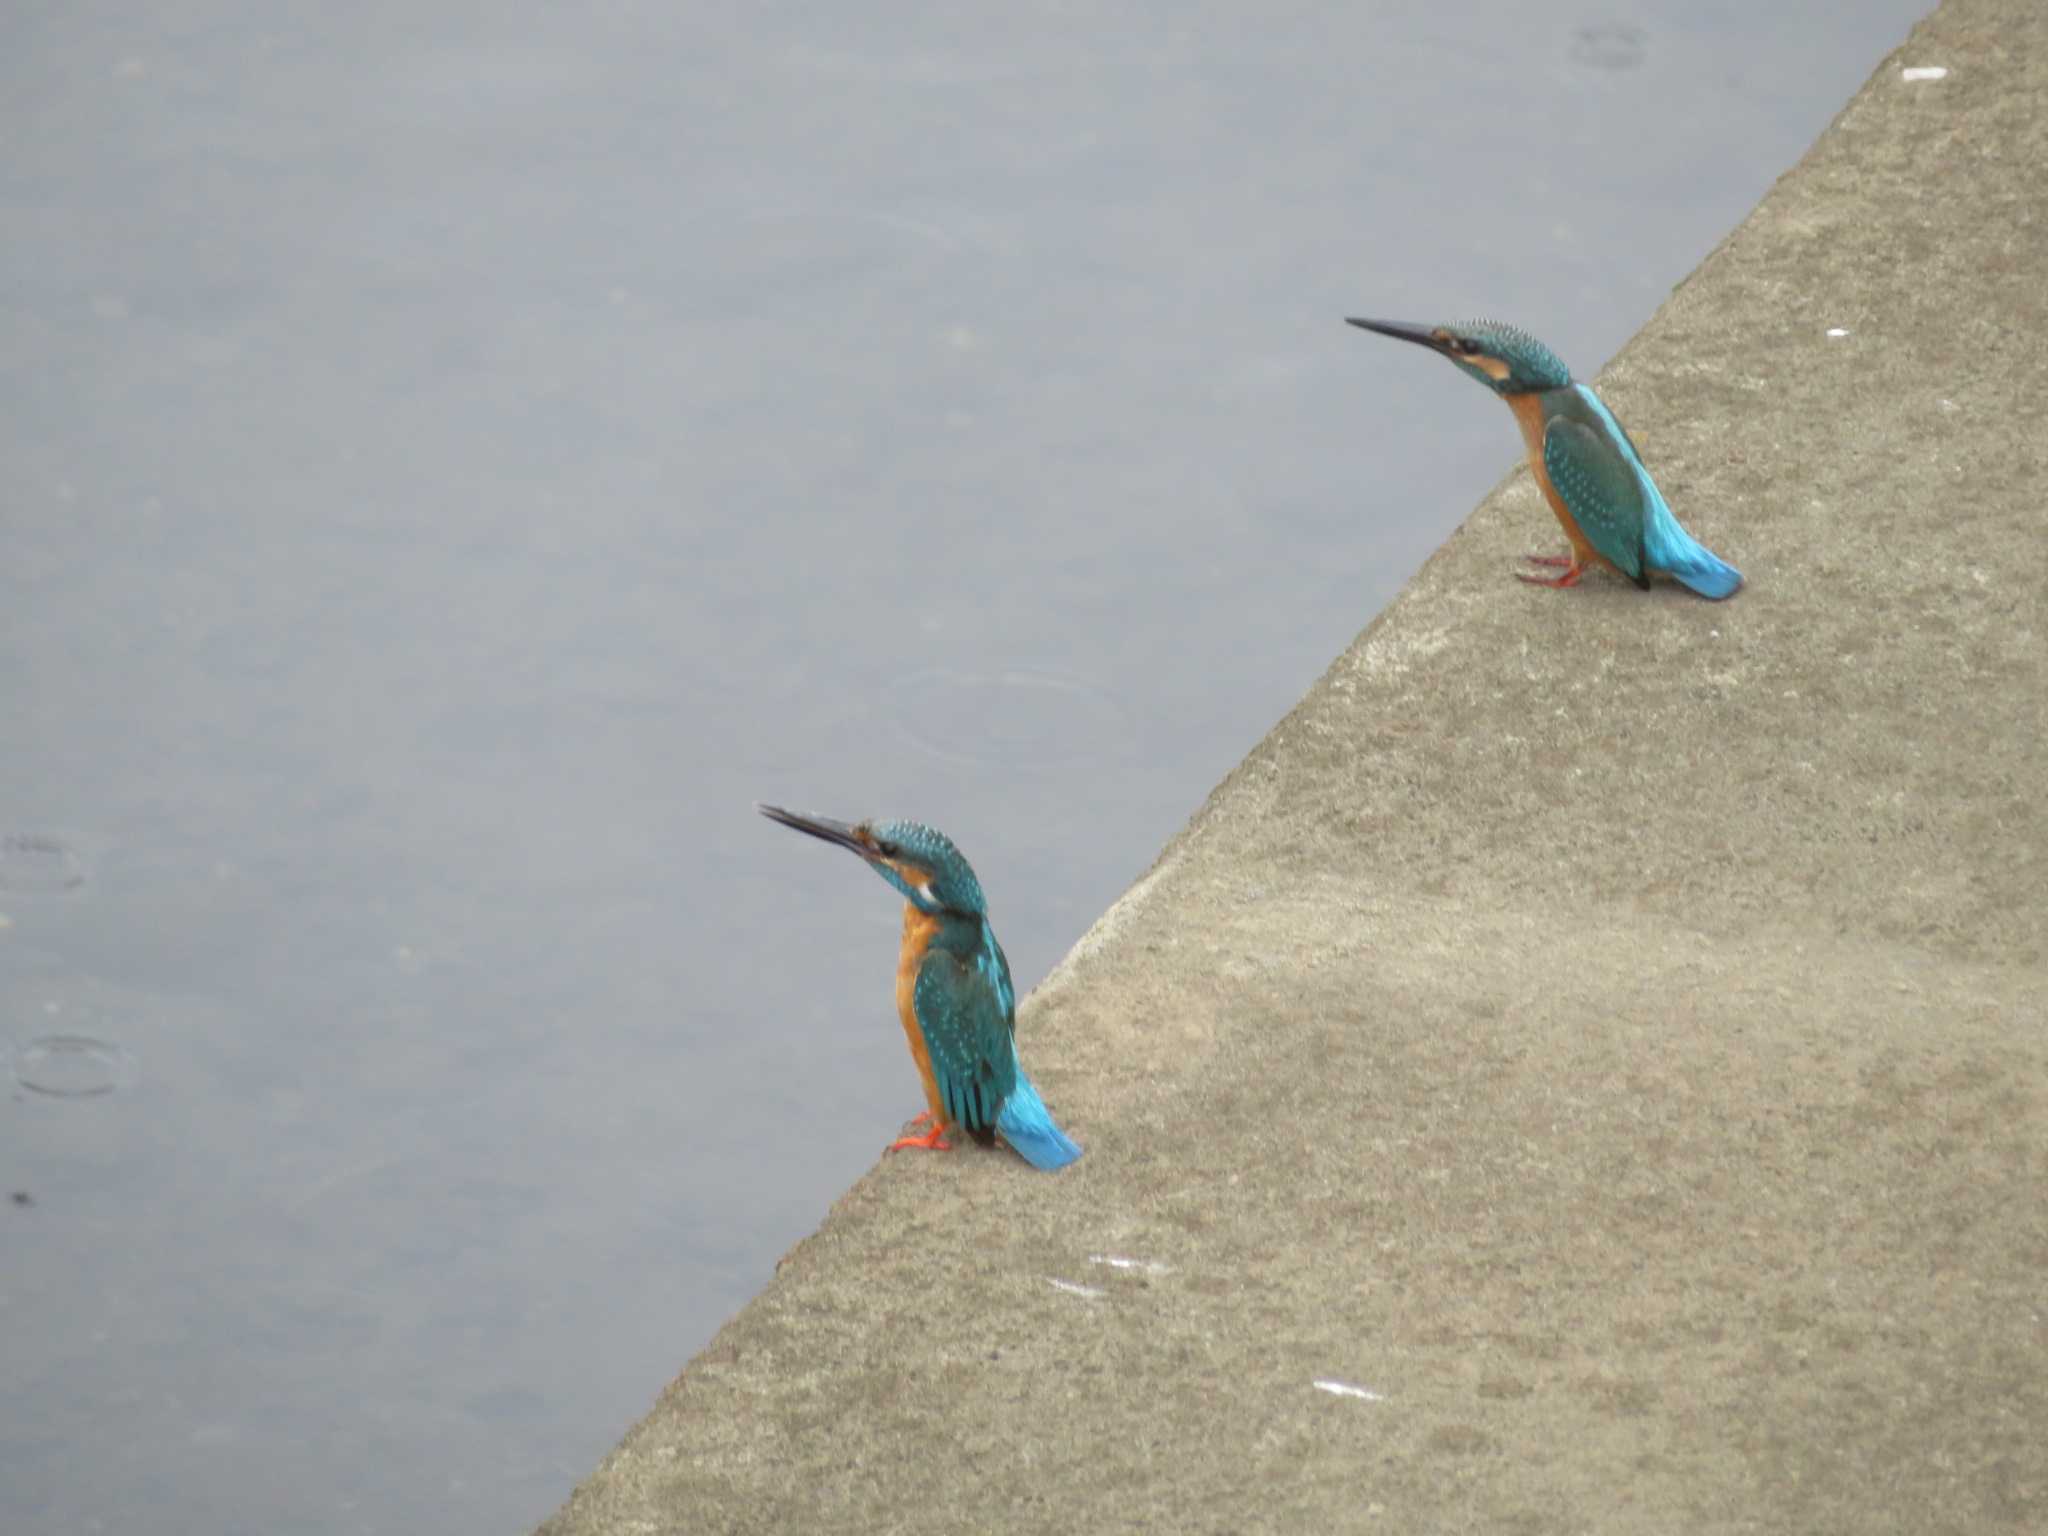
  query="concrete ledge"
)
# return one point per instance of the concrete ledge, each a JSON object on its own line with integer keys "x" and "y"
{"x": 1607, "y": 1030}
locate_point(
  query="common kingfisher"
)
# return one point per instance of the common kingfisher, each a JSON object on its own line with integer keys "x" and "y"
{"x": 953, "y": 991}
{"x": 1590, "y": 472}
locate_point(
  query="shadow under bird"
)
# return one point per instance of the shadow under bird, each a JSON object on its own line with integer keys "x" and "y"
{"x": 1590, "y": 472}
{"x": 953, "y": 990}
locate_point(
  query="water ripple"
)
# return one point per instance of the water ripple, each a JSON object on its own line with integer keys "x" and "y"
{"x": 38, "y": 864}
{"x": 1012, "y": 716}
{"x": 1609, "y": 45}
{"x": 72, "y": 1066}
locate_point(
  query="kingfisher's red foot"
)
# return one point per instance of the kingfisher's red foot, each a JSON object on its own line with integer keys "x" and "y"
{"x": 1569, "y": 579}
{"x": 933, "y": 1140}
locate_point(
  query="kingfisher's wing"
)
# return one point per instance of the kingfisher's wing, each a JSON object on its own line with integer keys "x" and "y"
{"x": 1598, "y": 484}
{"x": 967, "y": 1020}
{"x": 1588, "y": 460}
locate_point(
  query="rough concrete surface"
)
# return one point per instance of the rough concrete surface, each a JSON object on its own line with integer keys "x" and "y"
{"x": 1606, "y": 1029}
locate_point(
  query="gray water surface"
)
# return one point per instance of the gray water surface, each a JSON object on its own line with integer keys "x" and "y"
{"x": 455, "y": 458}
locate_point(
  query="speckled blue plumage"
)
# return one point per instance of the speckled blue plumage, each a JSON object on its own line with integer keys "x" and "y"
{"x": 953, "y": 886}
{"x": 1596, "y": 469}
{"x": 967, "y": 1008}
{"x": 967, "y": 1004}
{"x": 1531, "y": 365}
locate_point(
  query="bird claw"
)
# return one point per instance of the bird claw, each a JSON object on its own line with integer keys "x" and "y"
{"x": 1570, "y": 578}
{"x": 933, "y": 1140}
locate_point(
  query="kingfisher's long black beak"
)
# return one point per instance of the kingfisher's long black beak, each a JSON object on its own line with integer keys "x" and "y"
{"x": 1401, "y": 330}
{"x": 821, "y": 827}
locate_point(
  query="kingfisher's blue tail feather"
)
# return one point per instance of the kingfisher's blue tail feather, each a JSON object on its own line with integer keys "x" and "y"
{"x": 1692, "y": 563}
{"x": 1710, "y": 577}
{"x": 1670, "y": 548}
{"x": 1026, "y": 1124}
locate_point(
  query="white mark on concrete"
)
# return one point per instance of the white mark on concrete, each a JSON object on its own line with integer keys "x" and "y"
{"x": 1837, "y": 332}
{"x": 1950, "y": 405}
{"x": 1088, "y": 1291}
{"x": 1913, "y": 72}
{"x": 1143, "y": 1266}
{"x": 1346, "y": 1389}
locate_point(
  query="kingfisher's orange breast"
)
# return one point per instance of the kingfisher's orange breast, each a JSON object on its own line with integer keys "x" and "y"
{"x": 918, "y": 929}
{"x": 1529, "y": 417}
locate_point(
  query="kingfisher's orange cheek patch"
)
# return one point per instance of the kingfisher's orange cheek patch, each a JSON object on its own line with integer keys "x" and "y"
{"x": 916, "y": 877}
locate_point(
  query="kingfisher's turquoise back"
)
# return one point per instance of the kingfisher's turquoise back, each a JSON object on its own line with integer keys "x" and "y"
{"x": 1594, "y": 465}
{"x": 967, "y": 1011}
